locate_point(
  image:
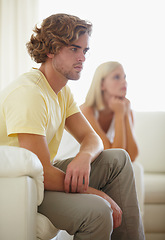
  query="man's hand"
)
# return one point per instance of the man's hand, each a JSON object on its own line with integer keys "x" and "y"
{"x": 117, "y": 212}
{"x": 77, "y": 174}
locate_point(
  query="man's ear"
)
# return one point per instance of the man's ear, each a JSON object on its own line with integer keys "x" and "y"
{"x": 50, "y": 55}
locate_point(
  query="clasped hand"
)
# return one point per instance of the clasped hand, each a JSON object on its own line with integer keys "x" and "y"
{"x": 119, "y": 104}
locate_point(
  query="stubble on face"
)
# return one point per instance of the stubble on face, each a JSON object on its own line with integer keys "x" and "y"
{"x": 68, "y": 74}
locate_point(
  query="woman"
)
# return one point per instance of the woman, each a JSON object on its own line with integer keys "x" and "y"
{"x": 108, "y": 110}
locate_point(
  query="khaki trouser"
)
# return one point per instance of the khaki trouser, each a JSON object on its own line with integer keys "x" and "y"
{"x": 89, "y": 217}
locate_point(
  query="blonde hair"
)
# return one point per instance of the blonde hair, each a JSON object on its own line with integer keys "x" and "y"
{"x": 94, "y": 95}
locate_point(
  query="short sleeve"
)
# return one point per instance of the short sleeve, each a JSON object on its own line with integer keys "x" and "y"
{"x": 25, "y": 111}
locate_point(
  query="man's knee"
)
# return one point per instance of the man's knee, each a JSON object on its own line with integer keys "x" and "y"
{"x": 114, "y": 157}
{"x": 107, "y": 167}
{"x": 116, "y": 153}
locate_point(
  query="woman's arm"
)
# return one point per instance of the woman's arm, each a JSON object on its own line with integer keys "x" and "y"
{"x": 120, "y": 131}
{"x": 131, "y": 146}
{"x": 117, "y": 106}
{"x": 89, "y": 114}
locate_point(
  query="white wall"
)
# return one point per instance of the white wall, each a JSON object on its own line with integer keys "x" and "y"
{"x": 128, "y": 31}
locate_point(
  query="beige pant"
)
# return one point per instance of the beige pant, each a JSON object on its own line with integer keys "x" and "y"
{"x": 89, "y": 217}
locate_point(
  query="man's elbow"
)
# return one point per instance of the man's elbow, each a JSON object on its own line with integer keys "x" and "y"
{"x": 100, "y": 142}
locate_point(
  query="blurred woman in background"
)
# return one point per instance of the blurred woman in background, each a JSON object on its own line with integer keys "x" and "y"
{"x": 109, "y": 111}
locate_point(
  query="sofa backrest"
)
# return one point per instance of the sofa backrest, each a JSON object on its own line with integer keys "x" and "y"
{"x": 150, "y": 136}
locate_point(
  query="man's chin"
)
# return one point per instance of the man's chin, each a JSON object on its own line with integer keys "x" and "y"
{"x": 75, "y": 78}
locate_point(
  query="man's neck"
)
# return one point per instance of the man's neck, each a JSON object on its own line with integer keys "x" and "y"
{"x": 55, "y": 79}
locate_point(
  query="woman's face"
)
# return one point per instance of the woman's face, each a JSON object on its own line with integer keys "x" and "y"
{"x": 114, "y": 84}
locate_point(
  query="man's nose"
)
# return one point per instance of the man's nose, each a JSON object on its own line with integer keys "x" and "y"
{"x": 81, "y": 56}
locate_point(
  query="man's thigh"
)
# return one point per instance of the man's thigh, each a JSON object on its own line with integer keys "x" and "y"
{"x": 75, "y": 212}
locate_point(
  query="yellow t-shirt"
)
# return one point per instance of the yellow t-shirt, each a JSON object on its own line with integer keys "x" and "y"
{"x": 29, "y": 105}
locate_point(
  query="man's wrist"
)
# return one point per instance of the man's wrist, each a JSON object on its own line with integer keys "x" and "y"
{"x": 85, "y": 156}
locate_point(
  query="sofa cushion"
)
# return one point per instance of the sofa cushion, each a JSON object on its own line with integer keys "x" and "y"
{"x": 154, "y": 218}
{"x": 154, "y": 188}
{"x": 17, "y": 162}
{"x": 150, "y": 136}
{"x": 153, "y": 236}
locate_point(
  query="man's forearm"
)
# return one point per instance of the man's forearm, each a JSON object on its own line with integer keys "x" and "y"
{"x": 54, "y": 179}
{"x": 92, "y": 146}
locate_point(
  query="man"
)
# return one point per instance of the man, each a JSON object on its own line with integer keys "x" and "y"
{"x": 83, "y": 195}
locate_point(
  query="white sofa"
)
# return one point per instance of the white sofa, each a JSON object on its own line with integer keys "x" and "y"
{"x": 150, "y": 135}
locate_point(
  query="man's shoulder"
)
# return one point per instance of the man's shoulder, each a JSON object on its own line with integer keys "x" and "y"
{"x": 24, "y": 88}
{"x": 29, "y": 81}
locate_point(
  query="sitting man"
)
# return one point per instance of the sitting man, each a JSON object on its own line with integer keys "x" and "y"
{"x": 91, "y": 196}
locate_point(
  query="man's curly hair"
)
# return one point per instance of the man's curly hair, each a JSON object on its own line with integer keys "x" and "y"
{"x": 56, "y": 31}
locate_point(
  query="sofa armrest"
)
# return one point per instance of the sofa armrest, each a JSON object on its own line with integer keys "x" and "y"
{"x": 18, "y": 162}
{"x": 22, "y": 189}
{"x": 18, "y": 208}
